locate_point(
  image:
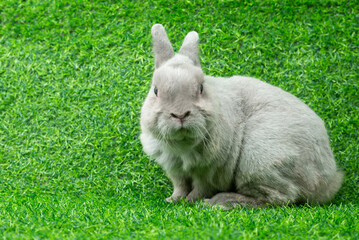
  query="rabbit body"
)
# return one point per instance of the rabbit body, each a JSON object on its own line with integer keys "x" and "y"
{"x": 234, "y": 141}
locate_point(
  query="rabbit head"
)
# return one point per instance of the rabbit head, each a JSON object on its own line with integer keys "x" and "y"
{"x": 175, "y": 108}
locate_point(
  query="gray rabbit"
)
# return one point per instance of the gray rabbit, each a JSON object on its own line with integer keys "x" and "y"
{"x": 232, "y": 141}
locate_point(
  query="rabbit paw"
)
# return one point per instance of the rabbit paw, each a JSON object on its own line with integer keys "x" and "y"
{"x": 176, "y": 197}
{"x": 194, "y": 196}
{"x": 232, "y": 200}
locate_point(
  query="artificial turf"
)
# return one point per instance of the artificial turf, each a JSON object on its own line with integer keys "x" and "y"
{"x": 73, "y": 76}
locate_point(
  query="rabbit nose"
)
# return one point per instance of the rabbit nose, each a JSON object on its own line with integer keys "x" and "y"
{"x": 181, "y": 117}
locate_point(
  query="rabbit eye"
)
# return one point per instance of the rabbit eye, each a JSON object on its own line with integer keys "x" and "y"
{"x": 201, "y": 88}
{"x": 156, "y": 91}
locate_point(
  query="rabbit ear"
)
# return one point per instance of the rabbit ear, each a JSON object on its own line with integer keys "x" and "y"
{"x": 190, "y": 47}
{"x": 162, "y": 46}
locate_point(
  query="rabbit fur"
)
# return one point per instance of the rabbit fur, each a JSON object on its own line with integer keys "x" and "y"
{"x": 232, "y": 141}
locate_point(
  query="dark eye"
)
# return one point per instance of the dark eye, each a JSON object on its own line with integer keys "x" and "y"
{"x": 155, "y": 90}
{"x": 201, "y": 88}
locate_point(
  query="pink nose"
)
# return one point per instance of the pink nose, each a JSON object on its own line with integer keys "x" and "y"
{"x": 182, "y": 116}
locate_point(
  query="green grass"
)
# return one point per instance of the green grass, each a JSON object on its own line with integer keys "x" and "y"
{"x": 73, "y": 76}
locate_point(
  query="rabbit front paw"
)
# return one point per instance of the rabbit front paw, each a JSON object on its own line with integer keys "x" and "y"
{"x": 194, "y": 196}
{"x": 177, "y": 196}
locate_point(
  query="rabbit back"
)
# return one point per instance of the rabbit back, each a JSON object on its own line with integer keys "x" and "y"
{"x": 285, "y": 152}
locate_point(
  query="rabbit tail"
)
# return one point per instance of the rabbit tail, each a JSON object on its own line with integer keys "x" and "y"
{"x": 327, "y": 191}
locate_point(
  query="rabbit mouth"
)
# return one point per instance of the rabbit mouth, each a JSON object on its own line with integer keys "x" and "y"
{"x": 184, "y": 133}
{"x": 172, "y": 131}
{"x": 180, "y": 137}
